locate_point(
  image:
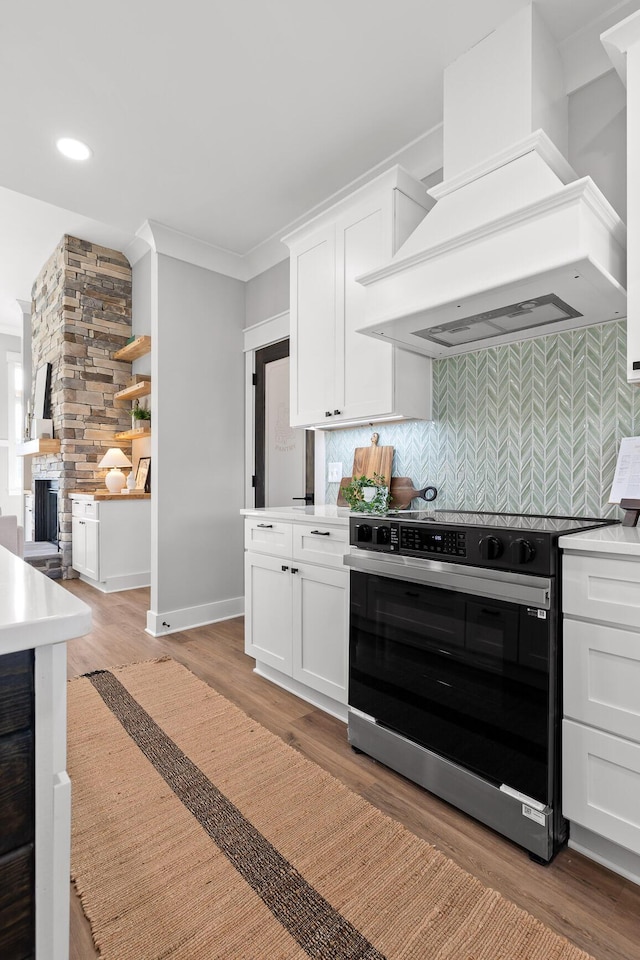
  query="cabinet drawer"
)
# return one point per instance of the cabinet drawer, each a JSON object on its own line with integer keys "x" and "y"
{"x": 604, "y": 589}
{"x": 16, "y": 791}
{"x": 16, "y": 691}
{"x": 268, "y": 536}
{"x": 17, "y": 911}
{"x": 601, "y": 783}
{"x": 85, "y": 508}
{"x": 318, "y": 544}
{"x": 602, "y": 677}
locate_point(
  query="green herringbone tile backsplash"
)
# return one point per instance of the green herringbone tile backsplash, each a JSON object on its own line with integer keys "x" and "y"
{"x": 532, "y": 426}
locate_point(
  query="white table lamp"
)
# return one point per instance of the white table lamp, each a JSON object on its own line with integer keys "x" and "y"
{"x": 115, "y": 479}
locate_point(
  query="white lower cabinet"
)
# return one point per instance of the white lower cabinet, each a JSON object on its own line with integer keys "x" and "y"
{"x": 296, "y": 614}
{"x": 601, "y": 726}
{"x": 111, "y": 542}
{"x": 84, "y": 546}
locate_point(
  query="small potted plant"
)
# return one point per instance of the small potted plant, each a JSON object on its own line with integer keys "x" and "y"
{"x": 139, "y": 416}
{"x": 367, "y": 494}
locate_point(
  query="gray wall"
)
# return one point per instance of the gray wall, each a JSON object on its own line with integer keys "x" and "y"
{"x": 197, "y": 438}
{"x": 598, "y": 137}
{"x": 267, "y": 295}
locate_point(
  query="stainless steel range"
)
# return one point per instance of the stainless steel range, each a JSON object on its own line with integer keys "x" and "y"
{"x": 454, "y": 661}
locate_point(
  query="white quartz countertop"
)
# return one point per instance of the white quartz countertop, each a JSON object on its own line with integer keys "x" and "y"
{"x": 615, "y": 540}
{"x": 35, "y": 610}
{"x": 327, "y": 512}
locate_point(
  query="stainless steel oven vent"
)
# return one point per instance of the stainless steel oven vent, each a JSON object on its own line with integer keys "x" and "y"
{"x": 536, "y": 312}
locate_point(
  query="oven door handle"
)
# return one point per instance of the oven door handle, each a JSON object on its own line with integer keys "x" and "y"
{"x": 519, "y": 588}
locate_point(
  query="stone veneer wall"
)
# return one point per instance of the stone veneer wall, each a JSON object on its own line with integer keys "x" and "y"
{"x": 81, "y": 314}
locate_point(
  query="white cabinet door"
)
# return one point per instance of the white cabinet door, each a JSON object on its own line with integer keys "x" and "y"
{"x": 268, "y": 634}
{"x": 78, "y": 545}
{"x": 602, "y": 677}
{"x": 363, "y": 365}
{"x": 85, "y": 547}
{"x": 320, "y": 629}
{"x": 601, "y": 783}
{"x": 337, "y": 374}
{"x": 92, "y": 549}
{"x": 313, "y": 329}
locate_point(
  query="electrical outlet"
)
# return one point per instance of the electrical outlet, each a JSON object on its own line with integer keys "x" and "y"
{"x": 334, "y": 472}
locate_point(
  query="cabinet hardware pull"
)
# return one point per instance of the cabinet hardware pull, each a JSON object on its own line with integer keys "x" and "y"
{"x": 337, "y": 412}
{"x": 294, "y": 569}
{"x": 266, "y": 526}
{"x": 284, "y": 569}
{"x": 322, "y": 533}
{"x": 327, "y": 413}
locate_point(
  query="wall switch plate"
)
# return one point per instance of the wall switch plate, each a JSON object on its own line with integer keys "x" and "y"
{"x": 334, "y": 472}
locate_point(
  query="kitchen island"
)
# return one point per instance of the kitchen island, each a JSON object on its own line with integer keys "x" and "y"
{"x": 37, "y": 616}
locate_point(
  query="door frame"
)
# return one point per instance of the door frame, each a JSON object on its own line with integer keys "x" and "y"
{"x": 257, "y": 337}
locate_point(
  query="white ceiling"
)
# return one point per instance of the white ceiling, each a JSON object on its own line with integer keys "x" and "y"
{"x": 226, "y": 120}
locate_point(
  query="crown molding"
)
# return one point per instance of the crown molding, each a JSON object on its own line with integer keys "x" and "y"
{"x": 618, "y": 40}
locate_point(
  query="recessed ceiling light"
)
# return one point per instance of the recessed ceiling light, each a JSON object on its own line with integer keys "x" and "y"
{"x": 74, "y": 149}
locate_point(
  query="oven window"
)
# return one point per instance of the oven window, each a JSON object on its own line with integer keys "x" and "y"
{"x": 465, "y": 677}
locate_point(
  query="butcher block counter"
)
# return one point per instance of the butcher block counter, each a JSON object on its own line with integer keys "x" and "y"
{"x": 105, "y": 495}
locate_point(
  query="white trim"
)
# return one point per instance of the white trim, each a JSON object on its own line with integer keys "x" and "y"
{"x": 180, "y": 246}
{"x": 611, "y": 855}
{"x": 537, "y": 142}
{"x": 321, "y": 700}
{"x": 259, "y": 335}
{"x": 419, "y": 158}
{"x": 580, "y": 190}
{"x": 267, "y": 331}
{"x": 249, "y": 429}
{"x": 129, "y": 581}
{"x": 161, "y": 624}
{"x": 617, "y": 41}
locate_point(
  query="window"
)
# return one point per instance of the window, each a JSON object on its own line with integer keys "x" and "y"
{"x": 15, "y": 423}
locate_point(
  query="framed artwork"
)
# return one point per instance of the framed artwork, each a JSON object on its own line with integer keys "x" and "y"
{"x": 143, "y": 474}
{"x": 42, "y": 393}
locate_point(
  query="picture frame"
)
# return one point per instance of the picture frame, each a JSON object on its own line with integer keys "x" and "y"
{"x": 143, "y": 474}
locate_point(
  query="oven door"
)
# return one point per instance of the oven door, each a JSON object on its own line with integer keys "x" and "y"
{"x": 458, "y": 660}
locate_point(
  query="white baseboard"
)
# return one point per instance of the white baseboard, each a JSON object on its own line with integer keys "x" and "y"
{"x": 160, "y": 624}
{"x": 130, "y": 581}
{"x": 320, "y": 700}
{"x": 605, "y": 852}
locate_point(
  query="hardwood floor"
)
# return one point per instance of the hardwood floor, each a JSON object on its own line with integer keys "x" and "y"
{"x": 597, "y": 910}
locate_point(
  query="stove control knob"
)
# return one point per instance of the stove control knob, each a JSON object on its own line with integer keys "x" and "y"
{"x": 522, "y": 551}
{"x": 381, "y": 535}
{"x": 363, "y": 533}
{"x": 491, "y": 548}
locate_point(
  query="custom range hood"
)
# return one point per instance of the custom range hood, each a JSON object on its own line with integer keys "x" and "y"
{"x": 516, "y": 245}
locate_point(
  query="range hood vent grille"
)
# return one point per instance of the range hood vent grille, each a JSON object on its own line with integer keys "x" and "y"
{"x": 532, "y": 313}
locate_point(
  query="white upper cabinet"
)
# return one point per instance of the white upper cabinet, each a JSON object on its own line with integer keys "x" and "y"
{"x": 337, "y": 374}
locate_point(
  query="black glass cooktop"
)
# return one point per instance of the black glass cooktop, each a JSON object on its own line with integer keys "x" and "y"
{"x": 505, "y": 521}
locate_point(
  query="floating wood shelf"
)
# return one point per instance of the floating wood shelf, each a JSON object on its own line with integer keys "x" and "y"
{"x": 133, "y": 435}
{"x": 142, "y": 388}
{"x": 37, "y": 448}
{"x": 132, "y": 351}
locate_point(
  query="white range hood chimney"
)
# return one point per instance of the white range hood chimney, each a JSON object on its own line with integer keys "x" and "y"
{"x": 516, "y": 246}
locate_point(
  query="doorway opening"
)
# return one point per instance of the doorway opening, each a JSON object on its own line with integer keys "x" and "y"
{"x": 284, "y": 455}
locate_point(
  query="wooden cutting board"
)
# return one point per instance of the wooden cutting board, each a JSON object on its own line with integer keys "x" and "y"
{"x": 402, "y": 492}
{"x": 373, "y": 459}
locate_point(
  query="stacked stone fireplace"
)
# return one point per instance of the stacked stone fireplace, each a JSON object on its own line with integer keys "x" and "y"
{"x": 81, "y": 314}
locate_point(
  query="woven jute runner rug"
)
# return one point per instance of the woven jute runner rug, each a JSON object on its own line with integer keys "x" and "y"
{"x": 198, "y": 834}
